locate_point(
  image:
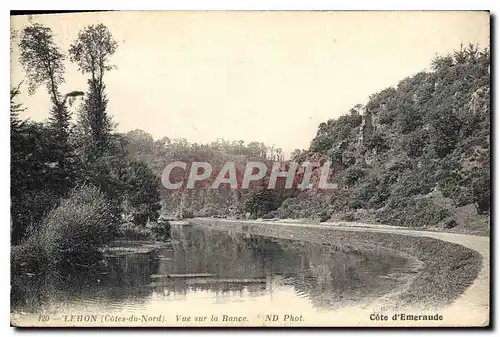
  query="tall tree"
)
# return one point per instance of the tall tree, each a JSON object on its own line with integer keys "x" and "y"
{"x": 43, "y": 63}
{"x": 48, "y": 147}
{"x": 91, "y": 52}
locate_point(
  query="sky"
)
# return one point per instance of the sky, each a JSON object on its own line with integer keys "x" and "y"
{"x": 270, "y": 77}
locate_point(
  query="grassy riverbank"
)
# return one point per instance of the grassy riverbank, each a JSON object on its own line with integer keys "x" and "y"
{"x": 448, "y": 268}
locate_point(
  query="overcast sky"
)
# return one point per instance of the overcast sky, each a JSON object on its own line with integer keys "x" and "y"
{"x": 256, "y": 76}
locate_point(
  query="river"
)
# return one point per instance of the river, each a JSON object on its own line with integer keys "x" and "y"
{"x": 209, "y": 271}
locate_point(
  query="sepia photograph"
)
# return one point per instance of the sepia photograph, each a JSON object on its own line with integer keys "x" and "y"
{"x": 250, "y": 169}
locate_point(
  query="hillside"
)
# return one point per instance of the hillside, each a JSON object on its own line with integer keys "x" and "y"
{"x": 415, "y": 155}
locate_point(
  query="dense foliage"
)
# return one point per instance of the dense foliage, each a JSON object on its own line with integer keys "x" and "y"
{"x": 414, "y": 154}
{"x": 202, "y": 201}
{"x": 50, "y": 159}
{"x": 417, "y": 154}
{"x": 77, "y": 227}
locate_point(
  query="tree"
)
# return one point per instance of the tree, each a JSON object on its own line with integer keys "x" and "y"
{"x": 440, "y": 63}
{"x": 43, "y": 63}
{"x": 37, "y": 183}
{"x": 415, "y": 142}
{"x": 91, "y": 52}
{"x": 143, "y": 192}
{"x": 40, "y": 169}
{"x": 409, "y": 118}
{"x": 16, "y": 146}
{"x": 481, "y": 190}
{"x": 376, "y": 141}
{"x": 261, "y": 201}
{"x": 140, "y": 144}
{"x": 445, "y": 130}
{"x": 15, "y": 109}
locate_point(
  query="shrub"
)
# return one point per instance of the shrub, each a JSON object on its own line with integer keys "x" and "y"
{"x": 28, "y": 256}
{"x": 322, "y": 144}
{"x": 78, "y": 226}
{"x": 376, "y": 141}
{"x": 271, "y": 215}
{"x": 152, "y": 231}
{"x": 413, "y": 212}
{"x": 161, "y": 231}
{"x": 324, "y": 216}
{"x": 208, "y": 211}
{"x": 130, "y": 231}
{"x": 143, "y": 192}
{"x": 353, "y": 174}
{"x": 351, "y": 216}
{"x": 387, "y": 116}
{"x": 339, "y": 200}
{"x": 412, "y": 183}
{"x": 261, "y": 202}
{"x": 481, "y": 190}
{"x": 310, "y": 207}
{"x": 415, "y": 142}
{"x": 268, "y": 216}
{"x": 409, "y": 118}
{"x": 445, "y": 131}
{"x": 187, "y": 214}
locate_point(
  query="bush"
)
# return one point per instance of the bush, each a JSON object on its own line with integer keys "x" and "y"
{"x": 324, "y": 216}
{"x": 261, "y": 202}
{"x": 351, "y": 216}
{"x": 271, "y": 215}
{"x": 415, "y": 142}
{"x": 152, "y": 231}
{"x": 412, "y": 183}
{"x": 208, "y": 211}
{"x": 387, "y": 116}
{"x": 186, "y": 214}
{"x": 161, "y": 231}
{"x": 28, "y": 256}
{"x": 78, "y": 226}
{"x": 376, "y": 141}
{"x": 481, "y": 190}
{"x": 130, "y": 231}
{"x": 413, "y": 212}
{"x": 409, "y": 118}
{"x": 353, "y": 174}
{"x": 143, "y": 193}
{"x": 310, "y": 207}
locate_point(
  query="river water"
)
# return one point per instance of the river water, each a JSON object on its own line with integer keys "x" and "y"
{"x": 205, "y": 271}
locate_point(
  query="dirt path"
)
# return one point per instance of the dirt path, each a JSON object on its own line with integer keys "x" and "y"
{"x": 472, "y": 307}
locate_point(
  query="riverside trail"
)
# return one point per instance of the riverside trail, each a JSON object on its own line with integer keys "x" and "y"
{"x": 471, "y": 307}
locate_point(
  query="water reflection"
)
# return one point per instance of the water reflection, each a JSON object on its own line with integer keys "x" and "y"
{"x": 222, "y": 267}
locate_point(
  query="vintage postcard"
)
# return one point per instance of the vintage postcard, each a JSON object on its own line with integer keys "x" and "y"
{"x": 250, "y": 169}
